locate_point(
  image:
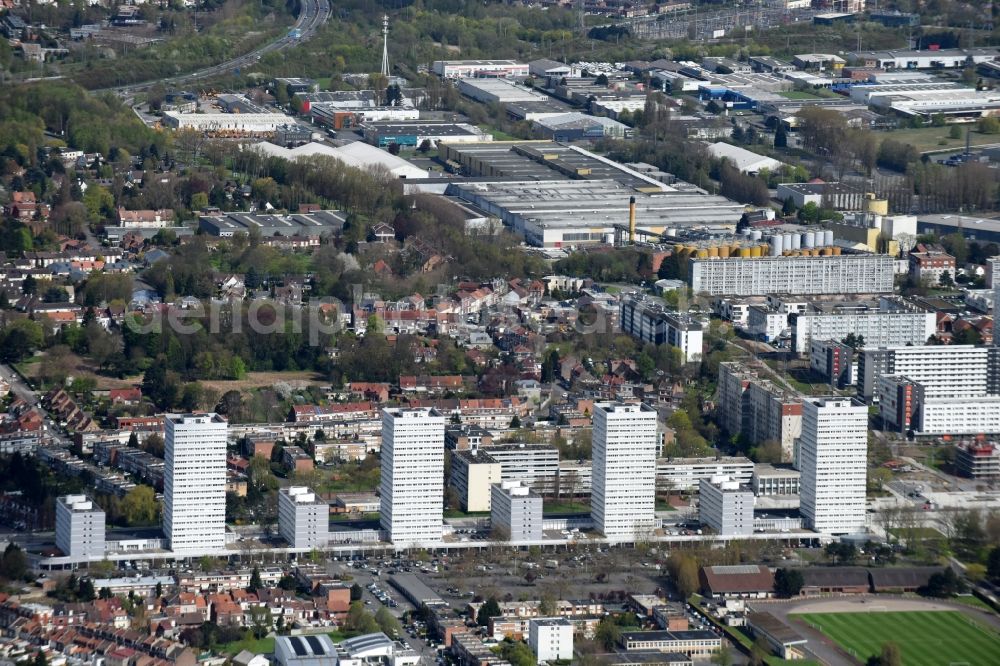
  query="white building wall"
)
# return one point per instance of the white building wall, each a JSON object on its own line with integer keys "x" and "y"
{"x": 194, "y": 482}
{"x": 958, "y": 416}
{"x": 878, "y": 328}
{"x": 844, "y": 274}
{"x": 624, "y": 469}
{"x": 412, "y": 481}
{"x": 833, "y": 460}
{"x": 551, "y": 639}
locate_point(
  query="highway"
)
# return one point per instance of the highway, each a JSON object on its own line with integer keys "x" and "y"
{"x": 312, "y": 15}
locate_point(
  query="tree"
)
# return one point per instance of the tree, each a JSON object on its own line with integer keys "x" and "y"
{"x": 255, "y": 582}
{"x": 517, "y": 653}
{"x": 943, "y": 584}
{"x": 261, "y": 620}
{"x": 607, "y": 634}
{"x": 489, "y": 609}
{"x": 388, "y": 623}
{"x": 14, "y": 564}
{"x": 393, "y": 95}
{"x": 684, "y": 569}
{"x": 993, "y": 564}
{"x": 85, "y": 590}
{"x": 39, "y": 659}
{"x": 139, "y": 506}
{"x": 723, "y": 656}
{"x": 788, "y": 583}
{"x": 158, "y": 591}
{"x": 357, "y": 592}
{"x": 359, "y": 620}
{"x": 19, "y": 339}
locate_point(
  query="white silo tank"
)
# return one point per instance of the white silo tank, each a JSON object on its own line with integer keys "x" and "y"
{"x": 756, "y": 235}
{"x": 810, "y": 239}
{"x": 786, "y": 242}
{"x": 796, "y": 241}
{"x": 828, "y": 238}
{"x": 776, "y": 245}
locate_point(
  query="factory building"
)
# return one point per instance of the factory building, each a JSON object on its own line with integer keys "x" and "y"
{"x": 498, "y": 91}
{"x": 937, "y": 59}
{"x": 414, "y": 133}
{"x": 230, "y": 124}
{"x": 317, "y": 223}
{"x": 481, "y": 69}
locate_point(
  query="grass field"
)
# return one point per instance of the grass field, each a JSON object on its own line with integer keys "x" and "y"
{"x": 929, "y": 138}
{"x": 925, "y": 638}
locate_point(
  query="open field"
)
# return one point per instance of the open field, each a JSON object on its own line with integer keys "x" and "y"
{"x": 295, "y": 379}
{"x": 928, "y": 138}
{"x": 928, "y": 638}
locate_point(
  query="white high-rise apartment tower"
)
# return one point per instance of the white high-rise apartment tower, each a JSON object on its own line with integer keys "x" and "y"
{"x": 833, "y": 459}
{"x": 623, "y": 493}
{"x": 412, "y": 484}
{"x": 995, "y": 265}
{"x": 194, "y": 483}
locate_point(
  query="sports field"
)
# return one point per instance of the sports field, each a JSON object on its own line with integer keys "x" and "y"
{"x": 925, "y": 638}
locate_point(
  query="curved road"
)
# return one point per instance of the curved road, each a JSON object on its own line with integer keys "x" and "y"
{"x": 312, "y": 15}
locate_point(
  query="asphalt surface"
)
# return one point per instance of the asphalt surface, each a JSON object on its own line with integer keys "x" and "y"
{"x": 312, "y": 15}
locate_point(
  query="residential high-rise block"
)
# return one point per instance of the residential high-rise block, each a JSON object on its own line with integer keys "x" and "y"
{"x": 412, "y": 482}
{"x": 194, "y": 482}
{"x": 516, "y": 512}
{"x": 833, "y": 459}
{"x": 624, "y": 470}
{"x": 726, "y": 506}
{"x": 79, "y": 527}
{"x": 303, "y": 518}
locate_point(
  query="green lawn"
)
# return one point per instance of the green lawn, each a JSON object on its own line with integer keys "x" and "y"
{"x": 255, "y": 645}
{"x": 798, "y": 94}
{"x": 925, "y": 638}
{"x": 929, "y": 138}
{"x": 565, "y": 507}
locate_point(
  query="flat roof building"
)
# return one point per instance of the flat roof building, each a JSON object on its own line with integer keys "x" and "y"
{"x": 414, "y": 133}
{"x": 318, "y": 223}
{"x": 303, "y": 518}
{"x": 802, "y": 275}
{"x": 516, "y": 512}
{"x": 194, "y": 482}
{"x": 496, "y": 69}
{"x": 647, "y": 319}
{"x": 229, "y": 124}
{"x": 80, "y": 527}
{"x": 625, "y": 445}
{"x": 725, "y": 506}
{"x": 473, "y": 472}
{"x": 412, "y": 479}
{"x": 889, "y": 322}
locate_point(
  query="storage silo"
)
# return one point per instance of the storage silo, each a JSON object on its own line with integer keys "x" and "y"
{"x": 796, "y": 241}
{"x": 756, "y": 235}
{"x": 810, "y": 239}
{"x": 777, "y": 245}
{"x": 828, "y": 237}
{"x": 757, "y": 251}
{"x": 745, "y": 253}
